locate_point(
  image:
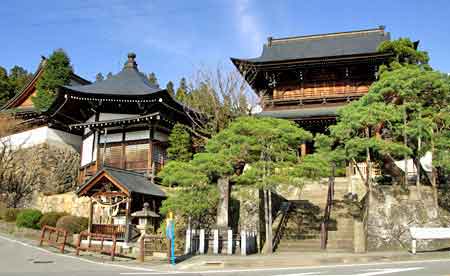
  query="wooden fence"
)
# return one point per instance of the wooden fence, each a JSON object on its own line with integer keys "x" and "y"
{"x": 53, "y": 237}
{"x": 93, "y": 240}
{"x": 149, "y": 244}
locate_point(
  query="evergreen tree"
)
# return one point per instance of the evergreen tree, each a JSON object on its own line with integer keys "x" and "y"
{"x": 109, "y": 75}
{"x": 56, "y": 73}
{"x": 182, "y": 91}
{"x": 267, "y": 145}
{"x": 18, "y": 78}
{"x": 170, "y": 88}
{"x": 180, "y": 146}
{"x": 152, "y": 79}
{"x": 99, "y": 77}
{"x": 6, "y": 90}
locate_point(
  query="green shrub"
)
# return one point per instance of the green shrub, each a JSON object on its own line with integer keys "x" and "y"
{"x": 2, "y": 210}
{"x": 73, "y": 224}
{"x": 11, "y": 214}
{"x": 28, "y": 218}
{"x": 50, "y": 218}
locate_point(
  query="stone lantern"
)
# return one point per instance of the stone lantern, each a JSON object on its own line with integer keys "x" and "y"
{"x": 146, "y": 218}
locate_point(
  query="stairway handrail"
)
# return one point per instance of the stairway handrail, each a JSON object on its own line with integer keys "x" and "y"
{"x": 278, "y": 231}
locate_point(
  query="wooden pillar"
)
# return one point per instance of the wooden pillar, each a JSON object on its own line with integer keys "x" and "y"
{"x": 303, "y": 149}
{"x": 123, "y": 156}
{"x": 104, "y": 146}
{"x": 97, "y": 161}
{"x": 91, "y": 215}
{"x": 150, "y": 171}
{"x": 127, "y": 218}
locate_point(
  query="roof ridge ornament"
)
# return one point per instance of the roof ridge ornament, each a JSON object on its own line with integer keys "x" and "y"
{"x": 131, "y": 63}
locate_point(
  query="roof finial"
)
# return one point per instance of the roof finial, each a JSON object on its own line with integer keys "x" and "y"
{"x": 269, "y": 41}
{"x": 131, "y": 63}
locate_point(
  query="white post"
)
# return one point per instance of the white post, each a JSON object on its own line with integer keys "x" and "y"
{"x": 216, "y": 241}
{"x": 187, "y": 250}
{"x": 414, "y": 246}
{"x": 230, "y": 242}
{"x": 243, "y": 243}
{"x": 201, "y": 239}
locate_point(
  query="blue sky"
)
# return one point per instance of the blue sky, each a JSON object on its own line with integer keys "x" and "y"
{"x": 175, "y": 38}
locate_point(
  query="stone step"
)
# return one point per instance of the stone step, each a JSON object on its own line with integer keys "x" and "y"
{"x": 313, "y": 249}
{"x": 314, "y": 243}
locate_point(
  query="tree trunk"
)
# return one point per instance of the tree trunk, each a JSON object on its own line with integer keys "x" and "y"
{"x": 405, "y": 142}
{"x": 433, "y": 173}
{"x": 269, "y": 215}
{"x": 418, "y": 167}
{"x": 223, "y": 184}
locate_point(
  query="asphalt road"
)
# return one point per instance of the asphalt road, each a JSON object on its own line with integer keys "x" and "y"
{"x": 17, "y": 258}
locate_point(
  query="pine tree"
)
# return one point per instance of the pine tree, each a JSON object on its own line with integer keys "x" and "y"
{"x": 181, "y": 94}
{"x": 6, "y": 90}
{"x": 170, "y": 88}
{"x": 99, "y": 77}
{"x": 152, "y": 79}
{"x": 109, "y": 75}
{"x": 180, "y": 145}
{"x": 18, "y": 78}
{"x": 56, "y": 73}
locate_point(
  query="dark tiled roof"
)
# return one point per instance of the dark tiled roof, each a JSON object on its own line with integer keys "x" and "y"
{"x": 132, "y": 181}
{"x": 128, "y": 82}
{"x": 301, "y": 113}
{"x": 325, "y": 45}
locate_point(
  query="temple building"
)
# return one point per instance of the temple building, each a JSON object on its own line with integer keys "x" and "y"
{"x": 124, "y": 123}
{"x": 307, "y": 78}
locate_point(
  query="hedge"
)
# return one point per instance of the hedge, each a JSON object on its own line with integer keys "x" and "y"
{"x": 28, "y": 218}
{"x": 73, "y": 224}
{"x": 50, "y": 218}
{"x": 11, "y": 214}
{"x": 2, "y": 210}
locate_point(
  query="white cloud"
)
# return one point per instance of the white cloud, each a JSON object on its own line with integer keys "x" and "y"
{"x": 248, "y": 26}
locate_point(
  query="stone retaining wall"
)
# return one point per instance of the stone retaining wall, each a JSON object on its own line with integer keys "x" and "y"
{"x": 67, "y": 202}
{"x": 392, "y": 213}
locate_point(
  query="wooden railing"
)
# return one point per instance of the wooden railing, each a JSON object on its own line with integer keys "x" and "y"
{"x": 149, "y": 244}
{"x": 93, "y": 246}
{"x": 55, "y": 236}
{"x": 110, "y": 229}
{"x": 313, "y": 93}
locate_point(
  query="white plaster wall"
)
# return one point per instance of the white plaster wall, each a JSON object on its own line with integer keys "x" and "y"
{"x": 111, "y": 137}
{"x": 42, "y": 135}
{"x": 58, "y": 136}
{"x": 137, "y": 135}
{"x": 115, "y": 116}
{"x": 86, "y": 154}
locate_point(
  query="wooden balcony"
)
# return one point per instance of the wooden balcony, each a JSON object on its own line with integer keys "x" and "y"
{"x": 313, "y": 93}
